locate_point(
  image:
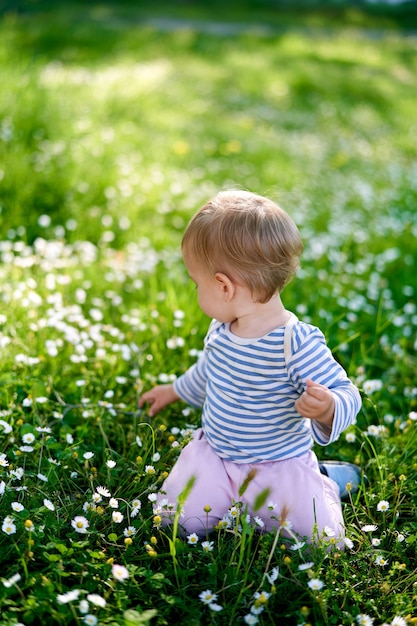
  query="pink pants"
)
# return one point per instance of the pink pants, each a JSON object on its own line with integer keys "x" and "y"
{"x": 303, "y": 496}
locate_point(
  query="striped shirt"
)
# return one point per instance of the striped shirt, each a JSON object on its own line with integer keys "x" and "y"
{"x": 247, "y": 389}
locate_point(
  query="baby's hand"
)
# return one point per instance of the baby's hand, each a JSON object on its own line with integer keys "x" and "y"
{"x": 316, "y": 403}
{"x": 158, "y": 398}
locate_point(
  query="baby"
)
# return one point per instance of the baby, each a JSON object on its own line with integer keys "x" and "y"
{"x": 267, "y": 383}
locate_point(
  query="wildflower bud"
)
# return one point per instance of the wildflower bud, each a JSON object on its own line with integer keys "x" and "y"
{"x": 128, "y": 541}
{"x": 171, "y": 438}
{"x": 305, "y": 611}
{"x": 30, "y": 554}
{"x": 385, "y": 588}
{"x": 154, "y": 540}
{"x": 150, "y": 550}
{"x": 287, "y": 560}
{"x": 402, "y": 477}
{"x": 348, "y": 486}
{"x": 75, "y": 455}
{"x": 19, "y": 422}
{"x": 99, "y": 510}
{"x": 110, "y": 561}
{"x": 157, "y": 520}
{"x": 28, "y": 524}
{"x": 207, "y": 508}
{"x": 139, "y": 459}
{"x": 162, "y": 428}
{"x": 283, "y": 546}
{"x": 164, "y": 475}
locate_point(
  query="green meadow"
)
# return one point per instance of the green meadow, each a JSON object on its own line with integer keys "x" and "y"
{"x": 117, "y": 122}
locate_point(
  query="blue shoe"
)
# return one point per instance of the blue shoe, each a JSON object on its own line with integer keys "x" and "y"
{"x": 347, "y": 476}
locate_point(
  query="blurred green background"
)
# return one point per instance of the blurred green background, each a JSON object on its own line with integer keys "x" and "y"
{"x": 124, "y": 117}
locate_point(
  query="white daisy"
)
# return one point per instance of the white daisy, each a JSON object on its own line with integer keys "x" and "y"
{"x": 305, "y": 566}
{"x": 80, "y": 524}
{"x": 70, "y": 596}
{"x": 97, "y": 600}
{"x": 12, "y": 580}
{"x": 8, "y": 526}
{"x": 315, "y": 584}
{"x": 119, "y": 572}
{"x": 207, "y": 597}
{"x": 273, "y": 575}
{"x": 7, "y": 429}
{"x": 3, "y": 460}
{"x": 28, "y": 438}
{"x": 364, "y": 620}
{"x": 369, "y": 528}
{"x": 17, "y": 507}
{"x": 103, "y": 491}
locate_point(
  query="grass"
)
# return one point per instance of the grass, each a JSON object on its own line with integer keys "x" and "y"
{"x": 112, "y": 133}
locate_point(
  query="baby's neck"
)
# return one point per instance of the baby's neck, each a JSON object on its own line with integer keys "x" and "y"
{"x": 260, "y": 319}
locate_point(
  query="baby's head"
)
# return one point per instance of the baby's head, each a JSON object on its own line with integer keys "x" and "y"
{"x": 247, "y": 237}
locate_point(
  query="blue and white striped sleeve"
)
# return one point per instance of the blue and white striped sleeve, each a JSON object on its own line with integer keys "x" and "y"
{"x": 191, "y": 386}
{"x": 312, "y": 359}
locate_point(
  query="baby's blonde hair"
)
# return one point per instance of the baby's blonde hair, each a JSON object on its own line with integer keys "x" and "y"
{"x": 247, "y": 237}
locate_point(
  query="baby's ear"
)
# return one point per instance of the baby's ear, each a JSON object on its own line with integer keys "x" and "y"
{"x": 226, "y": 285}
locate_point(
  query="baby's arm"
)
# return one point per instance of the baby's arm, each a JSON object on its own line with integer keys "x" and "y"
{"x": 190, "y": 387}
{"x": 158, "y": 398}
{"x": 331, "y": 402}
